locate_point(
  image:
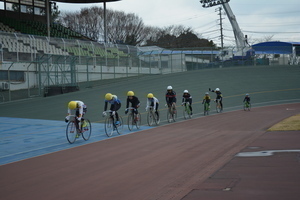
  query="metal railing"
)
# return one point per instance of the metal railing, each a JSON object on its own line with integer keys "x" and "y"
{"x": 36, "y": 66}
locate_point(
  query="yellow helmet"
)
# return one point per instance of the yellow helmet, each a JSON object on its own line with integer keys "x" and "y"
{"x": 108, "y": 96}
{"x": 72, "y": 105}
{"x": 130, "y": 93}
{"x": 150, "y": 95}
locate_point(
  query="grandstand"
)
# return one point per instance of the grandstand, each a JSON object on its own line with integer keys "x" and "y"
{"x": 29, "y": 37}
{"x": 34, "y": 64}
{"x": 30, "y": 18}
{"x": 36, "y": 55}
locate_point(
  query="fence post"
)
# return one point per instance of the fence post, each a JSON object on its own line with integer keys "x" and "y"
{"x": 28, "y": 85}
{"x": 171, "y": 61}
{"x": 87, "y": 73}
{"x": 8, "y": 74}
{"x": 1, "y": 51}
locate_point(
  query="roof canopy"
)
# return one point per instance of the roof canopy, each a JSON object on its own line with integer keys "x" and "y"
{"x": 273, "y": 48}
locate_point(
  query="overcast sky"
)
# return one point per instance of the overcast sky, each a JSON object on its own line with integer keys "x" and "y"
{"x": 257, "y": 18}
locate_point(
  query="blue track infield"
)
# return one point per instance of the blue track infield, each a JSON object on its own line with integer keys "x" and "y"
{"x": 25, "y": 138}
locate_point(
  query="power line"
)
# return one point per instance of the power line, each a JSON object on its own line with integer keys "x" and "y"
{"x": 271, "y": 32}
{"x": 279, "y": 32}
{"x": 210, "y": 31}
{"x": 270, "y": 25}
{"x": 277, "y": 13}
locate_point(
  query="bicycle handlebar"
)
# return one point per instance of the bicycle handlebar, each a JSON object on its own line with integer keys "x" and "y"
{"x": 131, "y": 108}
{"x": 109, "y": 111}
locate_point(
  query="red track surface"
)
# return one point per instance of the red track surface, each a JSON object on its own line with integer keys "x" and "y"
{"x": 188, "y": 160}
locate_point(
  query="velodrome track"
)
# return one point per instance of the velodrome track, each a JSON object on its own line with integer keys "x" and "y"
{"x": 266, "y": 85}
{"x": 167, "y": 162}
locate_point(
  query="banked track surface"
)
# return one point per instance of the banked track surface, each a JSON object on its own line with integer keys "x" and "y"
{"x": 166, "y": 162}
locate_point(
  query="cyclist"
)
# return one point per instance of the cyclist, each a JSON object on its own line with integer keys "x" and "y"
{"x": 186, "y": 97}
{"x": 152, "y": 101}
{"x": 171, "y": 97}
{"x": 206, "y": 99}
{"x": 135, "y": 102}
{"x": 219, "y": 96}
{"x": 247, "y": 98}
{"x": 115, "y": 105}
{"x": 80, "y": 108}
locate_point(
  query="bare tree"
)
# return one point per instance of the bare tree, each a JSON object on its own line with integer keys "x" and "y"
{"x": 129, "y": 29}
{"x": 87, "y": 21}
{"x": 266, "y": 38}
{"x": 121, "y": 27}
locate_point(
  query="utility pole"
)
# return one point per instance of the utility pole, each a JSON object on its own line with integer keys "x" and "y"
{"x": 221, "y": 26}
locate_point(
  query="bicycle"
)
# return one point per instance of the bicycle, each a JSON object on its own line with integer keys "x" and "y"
{"x": 110, "y": 125}
{"x": 172, "y": 114}
{"x": 206, "y": 108}
{"x": 247, "y": 106}
{"x": 187, "y": 113}
{"x": 133, "y": 119}
{"x": 153, "y": 117}
{"x": 218, "y": 106}
{"x": 75, "y": 129}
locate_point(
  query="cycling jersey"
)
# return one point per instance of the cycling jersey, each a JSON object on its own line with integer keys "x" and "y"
{"x": 219, "y": 94}
{"x": 152, "y": 102}
{"x": 171, "y": 97}
{"x": 80, "y": 109}
{"x": 206, "y": 99}
{"x": 219, "y": 97}
{"x": 115, "y": 103}
{"x": 135, "y": 102}
{"x": 247, "y": 99}
{"x": 186, "y": 97}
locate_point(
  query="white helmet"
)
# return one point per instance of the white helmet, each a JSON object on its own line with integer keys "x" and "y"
{"x": 185, "y": 91}
{"x": 169, "y": 87}
{"x": 217, "y": 89}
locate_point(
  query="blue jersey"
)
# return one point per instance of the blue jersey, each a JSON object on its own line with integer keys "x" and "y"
{"x": 115, "y": 102}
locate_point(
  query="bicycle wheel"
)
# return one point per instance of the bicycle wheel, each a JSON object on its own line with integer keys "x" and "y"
{"x": 130, "y": 121}
{"x": 71, "y": 132}
{"x": 120, "y": 126}
{"x": 185, "y": 112}
{"x": 109, "y": 126}
{"x": 169, "y": 115}
{"x": 188, "y": 111}
{"x": 156, "y": 117}
{"x": 138, "y": 121}
{"x": 86, "y": 130}
{"x": 218, "y": 107}
{"x": 249, "y": 106}
{"x": 150, "y": 118}
{"x": 174, "y": 114}
{"x": 205, "y": 109}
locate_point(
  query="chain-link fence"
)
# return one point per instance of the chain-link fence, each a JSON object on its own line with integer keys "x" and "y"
{"x": 40, "y": 66}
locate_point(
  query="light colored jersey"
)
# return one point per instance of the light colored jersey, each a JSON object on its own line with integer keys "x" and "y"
{"x": 80, "y": 106}
{"x": 154, "y": 100}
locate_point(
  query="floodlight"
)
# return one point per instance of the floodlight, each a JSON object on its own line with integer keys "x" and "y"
{"x": 211, "y": 3}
